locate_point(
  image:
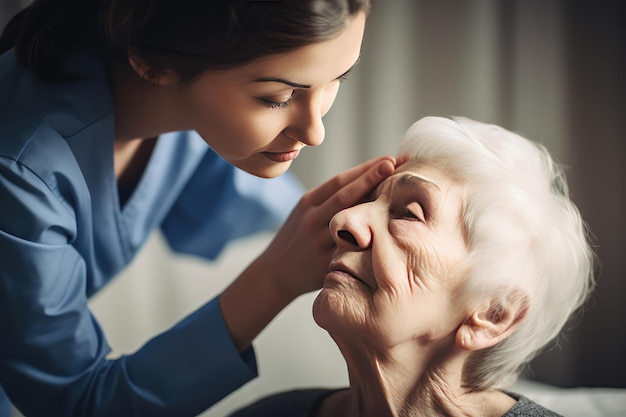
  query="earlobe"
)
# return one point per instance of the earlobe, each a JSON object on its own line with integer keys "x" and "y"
{"x": 492, "y": 322}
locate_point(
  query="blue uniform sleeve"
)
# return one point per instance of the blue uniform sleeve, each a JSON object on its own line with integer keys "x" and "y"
{"x": 53, "y": 353}
{"x": 221, "y": 203}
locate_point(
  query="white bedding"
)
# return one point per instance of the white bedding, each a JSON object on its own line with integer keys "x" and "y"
{"x": 576, "y": 402}
{"x": 570, "y": 402}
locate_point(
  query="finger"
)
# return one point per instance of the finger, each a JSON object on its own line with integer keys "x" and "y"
{"x": 323, "y": 192}
{"x": 400, "y": 160}
{"x": 354, "y": 192}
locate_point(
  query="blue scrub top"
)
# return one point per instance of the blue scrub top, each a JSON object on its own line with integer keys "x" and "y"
{"x": 63, "y": 236}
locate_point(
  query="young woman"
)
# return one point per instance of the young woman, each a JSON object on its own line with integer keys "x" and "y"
{"x": 107, "y": 108}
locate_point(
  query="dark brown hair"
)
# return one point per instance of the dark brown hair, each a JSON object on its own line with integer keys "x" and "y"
{"x": 185, "y": 37}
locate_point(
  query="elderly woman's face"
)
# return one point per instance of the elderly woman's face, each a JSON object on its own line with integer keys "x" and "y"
{"x": 398, "y": 268}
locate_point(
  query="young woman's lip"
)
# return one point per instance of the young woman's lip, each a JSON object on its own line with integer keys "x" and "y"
{"x": 282, "y": 156}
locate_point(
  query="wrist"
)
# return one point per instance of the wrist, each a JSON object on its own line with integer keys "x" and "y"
{"x": 251, "y": 302}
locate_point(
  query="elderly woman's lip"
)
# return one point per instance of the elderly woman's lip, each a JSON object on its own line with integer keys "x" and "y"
{"x": 339, "y": 267}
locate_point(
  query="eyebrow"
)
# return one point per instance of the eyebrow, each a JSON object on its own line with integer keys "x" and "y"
{"x": 298, "y": 85}
{"x": 281, "y": 80}
{"x": 403, "y": 180}
{"x": 411, "y": 179}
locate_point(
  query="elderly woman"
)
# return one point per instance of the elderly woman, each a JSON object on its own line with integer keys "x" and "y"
{"x": 455, "y": 272}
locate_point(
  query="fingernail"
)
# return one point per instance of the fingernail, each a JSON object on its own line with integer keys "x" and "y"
{"x": 385, "y": 169}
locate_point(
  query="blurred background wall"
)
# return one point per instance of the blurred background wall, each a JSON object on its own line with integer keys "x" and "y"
{"x": 552, "y": 70}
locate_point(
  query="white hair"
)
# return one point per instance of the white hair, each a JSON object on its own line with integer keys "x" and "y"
{"x": 524, "y": 234}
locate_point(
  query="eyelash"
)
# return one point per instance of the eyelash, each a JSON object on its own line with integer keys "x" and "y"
{"x": 408, "y": 214}
{"x": 278, "y": 105}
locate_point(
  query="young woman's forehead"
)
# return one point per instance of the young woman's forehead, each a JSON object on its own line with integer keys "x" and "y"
{"x": 315, "y": 63}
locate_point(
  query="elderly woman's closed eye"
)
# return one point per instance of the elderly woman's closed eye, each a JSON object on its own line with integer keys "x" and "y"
{"x": 454, "y": 274}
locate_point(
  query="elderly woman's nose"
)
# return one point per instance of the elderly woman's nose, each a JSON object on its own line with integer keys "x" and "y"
{"x": 350, "y": 229}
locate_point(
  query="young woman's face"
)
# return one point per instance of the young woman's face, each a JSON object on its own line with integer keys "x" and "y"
{"x": 258, "y": 117}
{"x": 399, "y": 264}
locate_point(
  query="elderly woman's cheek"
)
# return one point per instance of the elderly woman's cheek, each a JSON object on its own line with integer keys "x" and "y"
{"x": 427, "y": 266}
{"x": 417, "y": 268}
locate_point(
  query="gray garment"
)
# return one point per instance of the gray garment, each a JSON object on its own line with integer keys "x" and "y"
{"x": 306, "y": 402}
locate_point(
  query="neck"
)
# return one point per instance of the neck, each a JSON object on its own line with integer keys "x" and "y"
{"x": 144, "y": 109}
{"x": 381, "y": 385}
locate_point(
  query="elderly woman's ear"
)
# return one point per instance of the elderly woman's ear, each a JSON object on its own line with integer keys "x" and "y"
{"x": 492, "y": 322}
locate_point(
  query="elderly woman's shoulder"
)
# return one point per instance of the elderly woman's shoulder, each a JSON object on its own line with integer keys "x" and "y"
{"x": 524, "y": 407}
{"x": 294, "y": 403}
{"x": 306, "y": 403}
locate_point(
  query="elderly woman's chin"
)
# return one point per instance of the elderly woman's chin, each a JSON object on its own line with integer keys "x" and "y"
{"x": 324, "y": 312}
{"x": 334, "y": 311}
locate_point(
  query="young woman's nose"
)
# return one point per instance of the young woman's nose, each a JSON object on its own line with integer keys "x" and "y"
{"x": 308, "y": 129}
{"x": 306, "y": 124}
{"x": 350, "y": 229}
{"x": 314, "y": 134}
